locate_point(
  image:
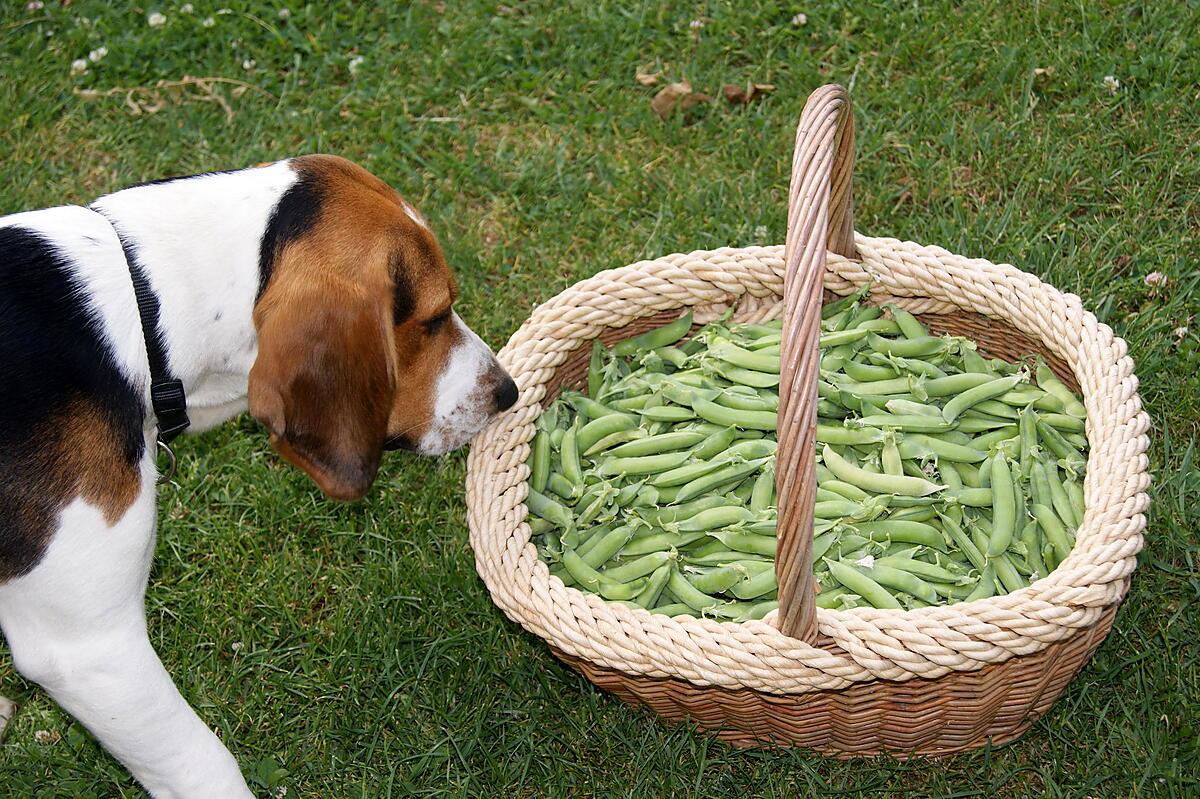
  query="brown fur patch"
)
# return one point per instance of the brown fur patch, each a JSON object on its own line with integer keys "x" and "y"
{"x": 349, "y": 346}
{"x": 77, "y": 453}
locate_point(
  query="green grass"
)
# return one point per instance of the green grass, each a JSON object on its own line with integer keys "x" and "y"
{"x": 351, "y": 650}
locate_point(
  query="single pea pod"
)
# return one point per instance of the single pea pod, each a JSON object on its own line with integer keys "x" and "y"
{"x": 728, "y": 417}
{"x": 750, "y": 543}
{"x": 909, "y": 326}
{"x": 654, "y": 587}
{"x": 986, "y": 587}
{"x": 726, "y": 473}
{"x": 539, "y": 461}
{"x": 908, "y": 347}
{"x": 659, "y": 337}
{"x": 713, "y": 518}
{"x": 563, "y": 487}
{"x": 854, "y": 580}
{"x": 1050, "y": 383}
{"x": 878, "y": 483}
{"x": 608, "y": 546}
{"x": 642, "y": 464}
{"x": 762, "y": 496}
{"x": 746, "y": 359}
{"x": 638, "y": 567}
{"x": 904, "y": 531}
{"x": 569, "y": 456}
{"x": 755, "y": 586}
{"x": 667, "y": 413}
{"x": 1004, "y": 507}
{"x": 746, "y": 377}
{"x": 541, "y": 505}
{"x": 593, "y": 581}
{"x": 846, "y": 436}
{"x": 656, "y": 542}
{"x": 973, "y": 396}
{"x": 619, "y": 437}
{"x": 921, "y": 446}
{"x": 901, "y": 580}
{"x": 595, "y": 377}
{"x": 673, "y": 609}
{"x": 1007, "y": 574}
{"x": 663, "y": 442}
{"x": 590, "y": 407}
{"x": 716, "y": 443}
{"x": 1063, "y": 507}
{"x": 1052, "y": 528}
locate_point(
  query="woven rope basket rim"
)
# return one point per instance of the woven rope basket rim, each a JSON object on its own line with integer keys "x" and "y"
{"x": 874, "y": 644}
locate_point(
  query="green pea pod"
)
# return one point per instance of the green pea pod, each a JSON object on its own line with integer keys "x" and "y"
{"x": 713, "y": 518}
{"x": 659, "y": 337}
{"x": 878, "y": 483}
{"x": 654, "y": 445}
{"x": 563, "y": 487}
{"x": 973, "y": 396}
{"x": 902, "y": 530}
{"x": 755, "y": 586}
{"x": 608, "y": 546}
{"x": 638, "y": 567}
{"x": 731, "y": 353}
{"x": 1049, "y": 382}
{"x": 955, "y": 384}
{"x": 590, "y": 407}
{"x": 539, "y": 461}
{"x": 726, "y": 473}
{"x": 715, "y": 444}
{"x": 1055, "y": 442}
{"x": 847, "y": 436}
{"x": 595, "y": 366}
{"x": 746, "y": 377}
{"x": 643, "y": 464}
{"x": 1063, "y": 507}
{"x": 746, "y": 542}
{"x": 673, "y": 609}
{"x": 569, "y": 455}
{"x": 1033, "y": 548}
{"x": 619, "y": 437}
{"x": 654, "y": 587}
{"x": 548, "y": 509}
{"x": 986, "y": 587}
{"x": 1007, "y": 574}
{"x": 1004, "y": 507}
{"x": 865, "y": 373}
{"x": 674, "y": 513}
{"x": 667, "y": 413}
{"x": 728, "y": 417}
{"x": 853, "y": 579}
{"x": 763, "y": 495}
{"x": 909, "y": 326}
{"x": 1055, "y": 533}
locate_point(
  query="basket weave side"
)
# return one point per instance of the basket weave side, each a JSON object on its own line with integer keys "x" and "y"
{"x": 915, "y": 718}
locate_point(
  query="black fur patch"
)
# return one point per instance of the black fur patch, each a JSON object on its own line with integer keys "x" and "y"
{"x": 403, "y": 302}
{"x": 53, "y": 356}
{"x": 293, "y": 216}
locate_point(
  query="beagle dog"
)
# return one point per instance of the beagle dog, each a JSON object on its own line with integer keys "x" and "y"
{"x": 306, "y": 290}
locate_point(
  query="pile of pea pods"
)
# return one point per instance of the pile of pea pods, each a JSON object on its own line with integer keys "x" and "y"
{"x": 942, "y": 476}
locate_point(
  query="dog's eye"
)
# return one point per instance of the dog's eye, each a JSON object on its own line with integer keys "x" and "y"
{"x": 436, "y": 323}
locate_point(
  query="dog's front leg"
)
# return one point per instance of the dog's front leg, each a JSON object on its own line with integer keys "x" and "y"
{"x": 76, "y": 626}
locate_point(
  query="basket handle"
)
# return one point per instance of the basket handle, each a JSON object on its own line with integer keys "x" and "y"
{"x": 820, "y": 215}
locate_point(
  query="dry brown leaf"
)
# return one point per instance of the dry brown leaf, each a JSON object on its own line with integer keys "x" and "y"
{"x": 739, "y": 95}
{"x": 676, "y": 95}
{"x": 645, "y": 76}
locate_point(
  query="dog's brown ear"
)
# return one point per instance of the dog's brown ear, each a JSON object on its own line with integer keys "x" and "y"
{"x": 323, "y": 384}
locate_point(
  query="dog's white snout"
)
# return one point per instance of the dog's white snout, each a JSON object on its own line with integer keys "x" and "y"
{"x": 472, "y": 388}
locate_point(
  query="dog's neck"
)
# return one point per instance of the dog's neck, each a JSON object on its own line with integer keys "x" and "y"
{"x": 198, "y": 240}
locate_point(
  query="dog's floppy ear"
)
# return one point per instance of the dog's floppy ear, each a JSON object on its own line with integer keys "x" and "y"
{"x": 323, "y": 383}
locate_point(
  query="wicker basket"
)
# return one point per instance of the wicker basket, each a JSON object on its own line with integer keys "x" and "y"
{"x": 922, "y": 682}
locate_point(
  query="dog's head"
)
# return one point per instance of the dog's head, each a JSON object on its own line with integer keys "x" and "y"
{"x": 359, "y": 347}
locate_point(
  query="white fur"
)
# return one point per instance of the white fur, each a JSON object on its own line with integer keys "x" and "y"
{"x": 462, "y": 404}
{"x": 75, "y": 623}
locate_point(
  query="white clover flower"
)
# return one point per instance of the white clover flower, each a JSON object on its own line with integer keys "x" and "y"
{"x": 696, "y": 24}
{"x": 1112, "y": 84}
{"x": 355, "y": 63}
{"x": 800, "y": 19}
{"x": 249, "y": 64}
{"x": 760, "y": 232}
{"x": 1155, "y": 279}
{"x": 156, "y": 20}
{"x": 285, "y": 13}
{"x": 34, "y": 5}
{"x": 236, "y": 646}
{"x": 97, "y": 54}
{"x": 186, "y": 8}
{"x": 208, "y": 22}
{"x": 79, "y": 66}
{"x": 1180, "y": 332}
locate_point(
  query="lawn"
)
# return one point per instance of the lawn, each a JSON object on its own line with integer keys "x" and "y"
{"x": 351, "y": 650}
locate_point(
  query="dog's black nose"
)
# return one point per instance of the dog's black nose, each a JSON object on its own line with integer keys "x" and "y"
{"x": 506, "y": 394}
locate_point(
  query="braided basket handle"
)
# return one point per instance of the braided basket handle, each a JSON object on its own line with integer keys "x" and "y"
{"x": 820, "y": 215}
